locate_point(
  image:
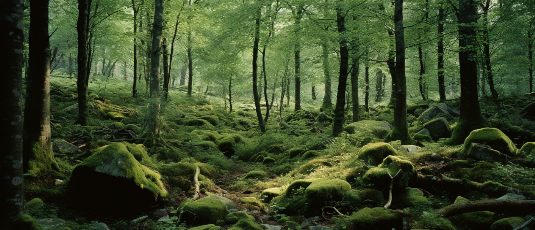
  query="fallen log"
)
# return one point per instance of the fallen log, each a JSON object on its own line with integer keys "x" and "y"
{"x": 527, "y": 206}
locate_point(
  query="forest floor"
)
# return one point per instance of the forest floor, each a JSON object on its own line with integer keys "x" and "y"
{"x": 295, "y": 151}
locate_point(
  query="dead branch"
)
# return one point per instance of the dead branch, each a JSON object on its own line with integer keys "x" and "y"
{"x": 525, "y": 224}
{"x": 196, "y": 180}
{"x": 387, "y": 205}
{"x": 488, "y": 205}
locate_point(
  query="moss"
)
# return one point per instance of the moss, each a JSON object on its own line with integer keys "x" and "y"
{"x": 212, "y": 119}
{"x": 491, "y": 137}
{"x": 472, "y": 220}
{"x": 115, "y": 116}
{"x": 207, "y": 227}
{"x": 374, "y": 153}
{"x": 234, "y": 217}
{"x": 435, "y": 222}
{"x": 507, "y": 223}
{"x": 268, "y": 160}
{"x": 133, "y": 127}
{"x": 245, "y": 224}
{"x": 421, "y": 137}
{"x": 205, "y": 211}
{"x": 197, "y": 122}
{"x": 207, "y": 144}
{"x": 295, "y": 152}
{"x": 379, "y": 178}
{"x": 376, "y": 218}
{"x": 139, "y": 152}
{"x": 326, "y": 190}
{"x": 457, "y": 164}
{"x": 226, "y": 144}
{"x": 379, "y": 129}
{"x": 412, "y": 197}
{"x": 527, "y": 148}
{"x": 117, "y": 125}
{"x": 371, "y": 195}
{"x": 496, "y": 188}
{"x": 464, "y": 128}
{"x": 257, "y": 174}
{"x": 270, "y": 193}
{"x": 253, "y": 203}
{"x": 312, "y": 165}
{"x": 311, "y": 154}
{"x": 26, "y": 222}
{"x": 35, "y": 203}
{"x": 304, "y": 183}
{"x": 41, "y": 159}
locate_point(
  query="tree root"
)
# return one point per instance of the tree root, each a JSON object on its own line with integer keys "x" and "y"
{"x": 488, "y": 205}
{"x": 197, "y": 185}
{"x": 387, "y": 205}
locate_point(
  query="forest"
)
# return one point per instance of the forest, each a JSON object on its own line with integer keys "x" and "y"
{"x": 267, "y": 114}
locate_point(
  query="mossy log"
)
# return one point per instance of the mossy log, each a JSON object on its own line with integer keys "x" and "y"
{"x": 527, "y": 206}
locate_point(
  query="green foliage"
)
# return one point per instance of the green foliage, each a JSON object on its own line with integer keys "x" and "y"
{"x": 35, "y": 203}
{"x": 234, "y": 217}
{"x": 256, "y": 175}
{"x": 433, "y": 221}
{"x": 26, "y": 222}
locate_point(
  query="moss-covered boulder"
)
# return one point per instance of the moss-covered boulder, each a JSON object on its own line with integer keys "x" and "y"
{"x": 374, "y": 153}
{"x": 378, "y": 128}
{"x": 527, "y": 148}
{"x": 204, "y": 211}
{"x": 197, "y": 122}
{"x": 421, "y": 137}
{"x": 412, "y": 197}
{"x": 252, "y": 203}
{"x": 226, "y": 144}
{"x": 117, "y": 125}
{"x": 472, "y": 220}
{"x": 507, "y": 223}
{"x": 312, "y": 165}
{"x": 207, "y": 227}
{"x": 212, "y": 119}
{"x": 246, "y": 224}
{"x": 311, "y": 154}
{"x": 256, "y": 174}
{"x": 492, "y": 137}
{"x": 379, "y": 176}
{"x": 234, "y": 217}
{"x": 298, "y": 184}
{"x": 121, "y": 177}
{"x": 268, "y": 194}
{"x": 326, "y": 190}
{"x": 116, "y": 116}
{"x": 295, "y": 152}
{"x": 181, "y": 174}
{"x": 434, "y": 112}
{"x": 481, "y": 152}
{"x": 25, "y": 222}
{"x": 268, "y": 160}
{"x": 438, "y": 128}
{"x": 375, "y": 218}
{"x": 34, "y": 204}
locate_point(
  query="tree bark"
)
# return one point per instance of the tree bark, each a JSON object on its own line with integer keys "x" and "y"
{"x": 379, "y": 86}
{"x": 327, "y": 101}
{"x": 471, "y": 117}
{"x": 190, "y": 65}
{"x": 166, "y": 69}
{"x": 338, "y": 122}
{"x": 486, "y": 50}
{"x": 81, "y": 83}
{"x": 134, "y": 86}
{"x": 153, "y": 126}
{"x": 530, "y": 59}
{"x": 258, "y": 15}
{"x": 440, "y": 51}
{"x": 183, "y": 73}
{"x": 265, "y": 82}
{"x": 12, "y": 40}
{"x": 297, "y": 54}
{"x": 230, "y": 94}
{"x": 367, "y": 88}
{"x": 37, "y": 150}
{"x": 355, "y": 88}
{"x": 400, "y": 130}
{"x": 421, "y": 81}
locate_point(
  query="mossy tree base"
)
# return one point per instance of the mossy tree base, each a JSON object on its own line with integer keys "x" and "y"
{"x": 463, "y": 129}
{"x": 396, "y": 135}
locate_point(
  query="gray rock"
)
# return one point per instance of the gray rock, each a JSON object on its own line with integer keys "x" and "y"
{"x": 139, "y": 220}
{"x": 159, "y": 213}
{"x": 50, "y": 223}
{"x": 319, "y": 227}
{"x": 482, "y": 152}
{"x": 98, "y": 226}
{"x": 409, "y": 148}
{"x": 61, "y": 147}
{"x": 433, "y": 112}
{"x": 230, "y": 204}
{"x": 309, "y": 222}
{"x": 424, "y": 132}
{"x": 438, "y": 128}
{"x": 272, "y": 227}
{"x": 449, "y": 109}
{"x": 511, "y": 197}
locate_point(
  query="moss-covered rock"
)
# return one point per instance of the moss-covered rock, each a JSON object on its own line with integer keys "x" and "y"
{"x": 507, "y": 223}
{"x": 368, "y": 194}
{"x": 472, "y": 220}
{"x": 268, "y": 194}
{"x": 379, "y": 176}
{"x": 34, "y": 204}
{"x": 25, "y": 222}
{"x": 207, "y": 227}
{"x": 492, "y": 137}
{"x": 480, "y": 152}
{"x": 295, "y": 152}
{"x": 257, "y": 174}
{"x": 234, "y": 217}
{"x": 133, "y": 127}
{"x": 412, "y": 197}
{"x": 253, "y": 203}
{"x": 374, "y": 153}
{"x": 127, "y": 174}
{"x": 378, "y": 128}
{"x": 326, "y": 190}
{"x": 312, "y": 165}
{"x": 458, "y": 164}
{"x": 376, "y": 218}
{"x": 421, "y": 137}
{"x": 207, "y": 145}
{"x": 268, "y": 160}
{"x": 226, "y": 144}
{"x": 527, "y": 148}
{"x": 245, "y": 224}
{"x": 117, "y": 125}
{"x": 303, "y": 183}
{"x": 197, "y": 122}
{"x": 212, "y": 119}
{"x": 435, "y": 222}
{"x": 311, "y": 154}
{"x": 205, "y": 211}
{"x": 438, "y": 128}
{"x": 115, "y": 116}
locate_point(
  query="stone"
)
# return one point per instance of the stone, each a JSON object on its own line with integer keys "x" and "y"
{"x": 492, "y": 137}
{"x": 205, "y": 211}
{"x": 98, "y": 226}
{"x": 34, "y": 204}
{"x": 319, "y": 227}
{"x": 482, "y": 152}
{"x": 51, "y": 223}
{"x": 472, "y": 220}
{"x": 380, "y": 178}
{"x": 272, "y": 227}
{"x": 375, "y": 218}
{"x": 508, "y": 224}
{"x": 270, "y": 193}
{"x": 234, "y": 217}
{"x": 374, "y": 153}
{"x": 228, "y": 202}
{"x": 26, "y": 222}
{"x": 326, "y": 190}
{"x": 59, "y": 182}
{"x": 62, "y": 147}
{"x": 323, "y": 118}
{"x": 139, "y": 220}
{"x": 159, "y": 213}
{"x": 309, "y": 222}
{"x": 438, "y": 128}
{"x": 410, "y": 148}
{"x": 449, "y": 109}
{"x": 512, "y": 197}
{"x": 245, "y": 224}
{"x": 378, "y": 128}
{"x": 116, "y": 116}
{"x": 424, "y": 132}
{"x": 432, "y": 113}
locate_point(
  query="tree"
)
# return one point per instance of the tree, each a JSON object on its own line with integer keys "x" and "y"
{"x": 136, "y": 11}
{"x": 355, "y": 87}
{"x": 440, "y": 51}
{"x": 471, "y": 117}
{"x": 486, "y": 49}
{"x": 258, "y": 15}
{"x": 298, "y": 15}
{"x": 11, "y": 38}
{"x": 338, "y": 122}
{"x": 400, "y": 130}
{"x": 327, "y": 101}
{"x": 37, "y": 151}
{"x": 83, "y": 68}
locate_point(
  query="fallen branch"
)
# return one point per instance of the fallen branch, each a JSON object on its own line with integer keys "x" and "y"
{"x": 488, "y": 205}
{"x": 387, "y": 205}
{"x": 525, "y": 224}
{"x": 196, "y": 180}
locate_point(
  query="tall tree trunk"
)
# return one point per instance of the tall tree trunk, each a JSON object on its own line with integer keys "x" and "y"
{"x": 421, "y": 81}
{"x": 82, "y": 84}
{"x": 190, "y": 65}
{"x": 327, "y": 101}
{"x": 183, "y": 72}
{"x": 367, "y": 88}
{"x": 173, "y": 42}
{"x": 400, "y": 131}
{"x": 440, "y": 51}
{"x": 230, "y": 94}
{"x": 37, "y": 150}
{"x": 12, "y": 40}
{"x": 297, "y": 54}
{"x": 265, "y": 82}
{"x": 313, "y": 91}
{"x": 486, "y": 50}
{"x": 380, "y": 91}
{"x": 355, "y": 88}
{"x": 134, "y": 86}
{"x": 530, "y": 58}
{"x": 166, "y": 70}
{"x": 338, "y": 123}
{"x": 258, "y": 15}
{"x": 471, "y": 117}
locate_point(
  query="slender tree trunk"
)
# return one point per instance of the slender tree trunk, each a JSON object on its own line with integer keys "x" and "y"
{"x": 355, "y": 88}
{"x": 265, "y": 82}
{"x": 400, "y": 131}
{"x": 283, "y": 91}
{"x": 230, "y": 94}
{"x": 173, "y": 42}
{"x": 338, "y": 123}
{"x": 190, "y": 65}
{"x": 297, "y": 54}
{"x": 313, "y": 92}
{"x": 37, "y": 150}
{"x": 166, "y": 69}
{"x": 255, "y": 71}
{"x": 530, "y": 59}
{"x": 440, "y": 51}
{"x": 134, "y": 86}
{"x": 486, "y": 50}
{"x": 82, "y": 84}
{"x": 367, "y": 89}
{"x": 380, "y": 91}
{"x": 471, "y": 117}
{"x": 327, "y": 101}
{"x": 421, "y": 81}
{"x": 183, "y": 73}
{"x": 11, "y": 40}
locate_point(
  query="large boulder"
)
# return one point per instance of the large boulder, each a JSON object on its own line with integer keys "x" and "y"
{"x": 438, "y": 128}
{"x": 118, "y": 179}
{"x": 439, "y": 110}
{"x": 378, "y": 128}
{"x": 326, "y": 190}
{"x": 380, "y": 178}
{"x": 62, "y": 147}
{"x": 205, "y": 211}
{"x": 482, "y": 152}
{"x": 374, "y": 153}
{"x": 376, "y": 218}
{"x": 472, "y": 220}
{"x": 492, "y": 137}
{"x": 509, "y": 223}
